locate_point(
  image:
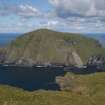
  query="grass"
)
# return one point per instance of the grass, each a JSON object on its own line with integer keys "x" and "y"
{"x": 88, "y": 90}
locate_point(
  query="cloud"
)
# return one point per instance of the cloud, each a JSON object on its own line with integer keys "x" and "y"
{"x": 28, "y": 11}
{"x": 25, "y": 11}
{"x": 66, "y": 8}
{"x": 67, "y": 15}
{"x": 80, "y": 15}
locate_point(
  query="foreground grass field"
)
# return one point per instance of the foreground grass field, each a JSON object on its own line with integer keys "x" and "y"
{"x": 86, "y": 90}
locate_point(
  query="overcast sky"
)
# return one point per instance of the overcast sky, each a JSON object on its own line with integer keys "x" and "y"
{"x": 62, "y": 15}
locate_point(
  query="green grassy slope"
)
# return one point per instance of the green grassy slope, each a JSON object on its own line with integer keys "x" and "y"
{"x": 50, "y": 46}
{"x": 90, "y": 90}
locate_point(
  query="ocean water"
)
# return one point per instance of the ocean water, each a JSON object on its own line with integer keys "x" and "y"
{"x": 35, "y": 78}
{"x": 6, "y": 38}
{"x": 29, "y": 78}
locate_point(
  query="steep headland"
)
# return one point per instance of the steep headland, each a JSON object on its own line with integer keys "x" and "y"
{"x": 49, "y": 47}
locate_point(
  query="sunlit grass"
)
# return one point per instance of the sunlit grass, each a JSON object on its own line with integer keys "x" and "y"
{"x": 88, "y": 90}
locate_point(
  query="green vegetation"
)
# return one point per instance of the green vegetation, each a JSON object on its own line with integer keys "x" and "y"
{"x": 50, "y": 46}
{"x": 87, "y": 90}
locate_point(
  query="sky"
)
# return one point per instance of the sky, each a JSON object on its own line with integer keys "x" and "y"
{"x": 80, "y": 16}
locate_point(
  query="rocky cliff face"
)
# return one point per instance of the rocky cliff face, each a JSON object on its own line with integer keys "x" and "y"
{"x": 50, "y": 47}
{"x": 96, "y": 60}
{"x": 2, "y": 55}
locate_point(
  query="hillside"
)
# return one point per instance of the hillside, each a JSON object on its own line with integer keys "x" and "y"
{"x": 46, "y": 46}
{"x": 86, "y": 90}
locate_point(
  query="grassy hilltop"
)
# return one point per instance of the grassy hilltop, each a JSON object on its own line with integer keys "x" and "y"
{"x": 49, "y": 46}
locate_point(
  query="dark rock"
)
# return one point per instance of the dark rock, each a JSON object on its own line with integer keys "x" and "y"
{"x": 2, "y": 56}
{"x": 97, "y": 62}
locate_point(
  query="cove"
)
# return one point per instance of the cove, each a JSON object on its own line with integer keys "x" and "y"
{"x": 29, "y": 78}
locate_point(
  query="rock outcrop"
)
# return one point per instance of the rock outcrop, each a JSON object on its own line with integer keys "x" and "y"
{"x": 97, "y": 62}
{"x": 2, "y": 55}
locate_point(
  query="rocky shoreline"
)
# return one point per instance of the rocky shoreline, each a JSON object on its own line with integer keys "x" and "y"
{"x": 96, "y": 62}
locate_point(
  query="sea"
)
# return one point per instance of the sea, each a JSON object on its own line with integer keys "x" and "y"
{"x": 6, "y": 38}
